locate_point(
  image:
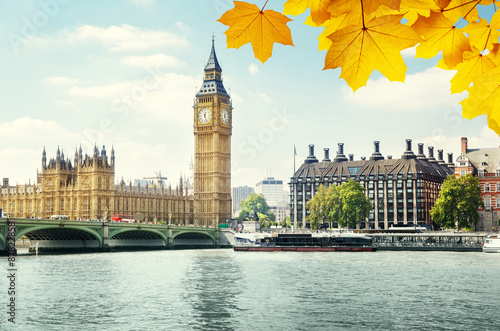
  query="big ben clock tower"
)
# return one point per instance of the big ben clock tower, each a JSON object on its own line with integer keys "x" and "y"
{"x": 212, "y": 147}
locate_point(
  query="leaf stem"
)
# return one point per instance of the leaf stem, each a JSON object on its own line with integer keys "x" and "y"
{"x": 264, "y": 6}
{"x": 363, "y": 14}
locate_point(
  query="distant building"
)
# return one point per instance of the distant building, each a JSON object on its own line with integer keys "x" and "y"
{"x": 85, "y": 189}
{"x": 402, "y": 191}
{"x": 483, "y": 163}
{"x": 240, "y": 193}
{"x": 276, "y": 197}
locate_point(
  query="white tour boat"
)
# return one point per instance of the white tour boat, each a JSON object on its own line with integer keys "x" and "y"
{"x": 491, "y": 244}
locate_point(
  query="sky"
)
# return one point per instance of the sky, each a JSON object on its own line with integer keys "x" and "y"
{"x": 124, "y": 74}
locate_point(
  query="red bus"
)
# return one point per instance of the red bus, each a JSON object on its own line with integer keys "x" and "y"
{"x": 123, "y": 218}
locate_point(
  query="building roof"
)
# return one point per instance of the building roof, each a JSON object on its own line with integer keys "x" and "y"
{"x": 484, "y": 158}
{"x": 212, "y": 82}
{"x": 409, "y": 166}
{"x": 213, "y": 63}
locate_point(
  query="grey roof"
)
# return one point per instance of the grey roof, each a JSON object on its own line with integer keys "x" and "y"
{"x": 484, "y": 158}
{"x": 212, "y": 63}
{"x": 213, "y": 85}
{"x": 372, "y": 169}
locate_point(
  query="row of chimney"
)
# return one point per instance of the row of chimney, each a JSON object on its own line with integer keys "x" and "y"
{"x": 408, "y": 154}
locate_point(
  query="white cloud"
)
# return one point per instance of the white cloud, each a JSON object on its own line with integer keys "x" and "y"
{"x": 409, "y": 52}
{"x": 427, "y": 89}
{"x": 253, "y": 69}
{"x": 124, "y": 37}
{"x": 182, "y": 26}
{"x": 154, "y": 60}
{"x": 65, "y": 103}
{"x": 261, "y": 95}
{"x": 487, "y": 138}
{"x": 101, "y": 91}
{"x": 134, "y": 159}
{"x": 59, "y": 80}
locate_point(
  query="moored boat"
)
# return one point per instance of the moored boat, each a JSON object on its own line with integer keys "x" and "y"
{"x": 304, "y": 242}
{"x": 491, "y": 244}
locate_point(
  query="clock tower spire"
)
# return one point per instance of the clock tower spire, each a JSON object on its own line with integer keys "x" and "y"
{"x": 212, "y": 119}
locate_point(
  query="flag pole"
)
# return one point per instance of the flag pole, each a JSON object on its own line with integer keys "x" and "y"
{"x": 294, "y": 153}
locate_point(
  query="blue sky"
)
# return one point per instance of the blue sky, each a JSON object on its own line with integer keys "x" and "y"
{"x": 125, "y": 73}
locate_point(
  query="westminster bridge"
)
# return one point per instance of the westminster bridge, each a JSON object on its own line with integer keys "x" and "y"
{"x": 78, "y": 236}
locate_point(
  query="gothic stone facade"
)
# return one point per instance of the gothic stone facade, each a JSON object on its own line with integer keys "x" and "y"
{"x": 212, "y": 117}
{"x": 85, "y": 189}
{"x": 402, "y": 191}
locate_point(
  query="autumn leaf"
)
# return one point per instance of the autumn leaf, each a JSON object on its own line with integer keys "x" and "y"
{"x": 319, "y": 9}
{"x": 248, "y": 24}
{"x": 473, "y": 66}
{"x": 481, "y": 35}
{"x": 440, "y": 34}
{"x": 376, "y": 44}
{"x": 484, "y": 98}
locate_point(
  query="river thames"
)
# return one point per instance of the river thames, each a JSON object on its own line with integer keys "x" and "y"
{"x": 226, "y": 290}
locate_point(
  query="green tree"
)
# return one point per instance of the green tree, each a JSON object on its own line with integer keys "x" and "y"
{"x": 257, "y": 203}
{"x": 355, "y": 205}
{"x": 286, "y": 223}
{"x": 254, "y": 202}
{"x": 458, "y": 202}
{"x": 319, "y": 208}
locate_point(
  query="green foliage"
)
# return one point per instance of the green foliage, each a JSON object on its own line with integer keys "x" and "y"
{"x": 458, "y": 202}
{"x": 257, "y": 203}
{"x": 346, "y": 204}
{"x": 254, "y": 202}
{"x": 355, "y": 204}
{"x": 286, "y": 223}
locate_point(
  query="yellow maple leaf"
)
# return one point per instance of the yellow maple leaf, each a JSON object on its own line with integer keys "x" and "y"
{"x": 473, "y": 66}
{"x": 413, "y": 8}
{"x": 481, "y": 35}
{"x": 248, "y": 24}
{"x": 376, "y": 44}
{"x": 319, "y": 9}
{"x": 460, "y": 8}
{"x": 440, "y": 34}
{"x": 484, "y": 99}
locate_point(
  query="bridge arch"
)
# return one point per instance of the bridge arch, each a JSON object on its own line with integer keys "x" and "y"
{"x": 38, "y": 231}
{"x": 190, "y": 234}
{"x": 3, "y": 243}
{"x": 114, "y": 233}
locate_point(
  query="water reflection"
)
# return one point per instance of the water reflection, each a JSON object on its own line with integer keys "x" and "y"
{"x": 212, "y": 283}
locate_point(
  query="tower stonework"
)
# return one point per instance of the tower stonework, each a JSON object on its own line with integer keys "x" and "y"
{"x": 212, "y": 118}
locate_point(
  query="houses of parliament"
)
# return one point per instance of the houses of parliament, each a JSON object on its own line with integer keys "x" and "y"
{"x": 86, "y": 188}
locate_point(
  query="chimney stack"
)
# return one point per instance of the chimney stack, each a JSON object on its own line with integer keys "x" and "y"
{"x": 340, "y": 154}
{"x": 311, "y": 158}
{"x": 440, "y": 156}
{"x": 408, "y": 154}
{"x": 351, "y": 157}
{"x": 376, "y": 154}
{"x": 431, "y": 154}
{"x": 450, "y": 163}
{"x": 464, "y": 144}
{"x": 327, "y": 155}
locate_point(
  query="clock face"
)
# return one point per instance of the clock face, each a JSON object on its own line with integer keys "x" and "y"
{"x": 224, "y": 116}
{"x": 204, "y": 115}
